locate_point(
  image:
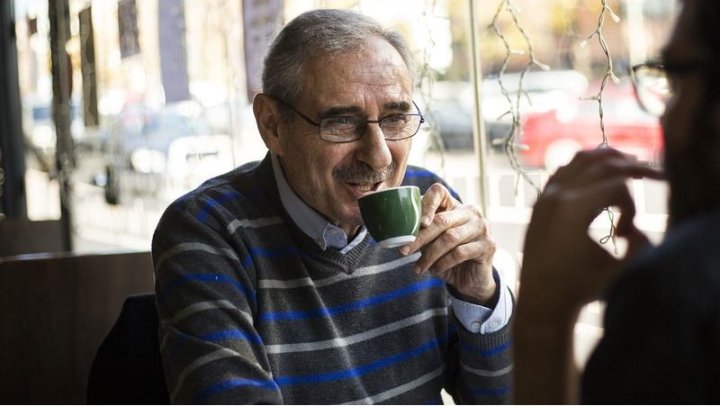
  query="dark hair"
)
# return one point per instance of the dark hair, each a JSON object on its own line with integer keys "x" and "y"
{"x": 694, "y": 174}
{"x": 320, "y": 32}
{"x": 709, "y": 24}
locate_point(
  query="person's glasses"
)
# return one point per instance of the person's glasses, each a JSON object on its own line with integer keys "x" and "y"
{"x": 394, "y": 127}
{"x": 652, "y": 87}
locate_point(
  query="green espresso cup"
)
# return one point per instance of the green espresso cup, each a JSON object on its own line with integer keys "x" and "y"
{"x": 392, "y": 216}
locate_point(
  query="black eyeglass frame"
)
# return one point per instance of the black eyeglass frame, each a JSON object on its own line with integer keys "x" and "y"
{"x": 676, "y": 68}
{"x": 668, "y": 68}
{"x": 360, "y": 133}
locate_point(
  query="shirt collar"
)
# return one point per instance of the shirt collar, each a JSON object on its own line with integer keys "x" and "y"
{"x": 324, "y": 233}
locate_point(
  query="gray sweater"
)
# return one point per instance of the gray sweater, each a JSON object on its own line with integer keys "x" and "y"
{"x": 253, "y": 311}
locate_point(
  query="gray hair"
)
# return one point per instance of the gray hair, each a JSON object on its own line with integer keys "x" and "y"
{"x": 315, "y": 33}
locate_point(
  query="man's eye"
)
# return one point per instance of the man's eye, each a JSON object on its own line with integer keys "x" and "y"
{"x": 398, "y": 120}
{"x": 340, "y": 121}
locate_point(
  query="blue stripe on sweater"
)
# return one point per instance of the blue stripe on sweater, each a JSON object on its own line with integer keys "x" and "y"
{"x": 486, "y": 352}
{"x": 437, "y": 400}
{"x": 359, "y": 371}
{"x": 208, "y": 204}
{"x": 232, "y": 335}
{"x": 424, "y": 173}
{"x": 412, "y": 173}
{"x": 320, "y": 378}
{"x": 233, "y": 383}
{"x": 360, "y": 304}
{"x": 490, "y": 392}
{"x": 209, "y": 277}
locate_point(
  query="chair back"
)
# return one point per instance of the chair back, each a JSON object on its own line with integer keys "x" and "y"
{"x": 128, "y": 368}
{"x": 55, "y": 310}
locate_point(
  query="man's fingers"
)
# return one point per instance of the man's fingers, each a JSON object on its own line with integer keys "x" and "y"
{"x": 440, "y": 222}
{"x": 453, "y": 246}
{"x": 430, "y": 232}
{"x": 436, "y": 199}
{"x": 480, "y": 251}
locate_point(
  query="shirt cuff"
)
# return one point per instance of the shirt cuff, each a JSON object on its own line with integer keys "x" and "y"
{"x": 480, "y": 319}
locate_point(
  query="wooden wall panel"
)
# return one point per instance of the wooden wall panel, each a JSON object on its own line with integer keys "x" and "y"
{"x": 55, "y": 311}
{"x": 25, "y": 237}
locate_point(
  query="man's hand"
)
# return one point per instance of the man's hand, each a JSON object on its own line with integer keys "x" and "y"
{"x": 456, "y": 246}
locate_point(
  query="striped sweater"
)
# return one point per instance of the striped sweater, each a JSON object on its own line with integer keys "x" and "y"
{"x": 253, "y": 311}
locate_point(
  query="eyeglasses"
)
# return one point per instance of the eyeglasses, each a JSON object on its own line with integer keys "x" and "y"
{"x": 653, "y": 85}
{"x": 341, "y": 129}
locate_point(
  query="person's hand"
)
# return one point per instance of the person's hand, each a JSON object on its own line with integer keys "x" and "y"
{"x": 456, "y": 246}
{"x": 563, "y": 267}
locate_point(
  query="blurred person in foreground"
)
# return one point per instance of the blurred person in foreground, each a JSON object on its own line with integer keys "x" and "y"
{"x": 661, "y": 341}
{"x": 270, "y": 289}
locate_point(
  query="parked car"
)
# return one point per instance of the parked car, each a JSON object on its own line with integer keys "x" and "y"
{"x": 541, "y": 91}
{"x": 450, "y": 112}
{"x": 168, "y": 151}
{"x": 552, "y": 138}
{"x": 452, "y": 104}
{"x": 40, "y": 136}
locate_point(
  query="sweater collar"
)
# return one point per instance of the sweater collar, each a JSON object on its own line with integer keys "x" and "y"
{"x": 325, "y": 234}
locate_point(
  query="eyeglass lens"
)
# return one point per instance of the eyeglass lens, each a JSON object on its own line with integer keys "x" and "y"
{"x": 350, "y": 128}
{"x": 652, "y": 88}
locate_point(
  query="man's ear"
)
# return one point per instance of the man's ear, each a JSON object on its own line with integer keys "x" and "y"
{"x": 268, "y": 118}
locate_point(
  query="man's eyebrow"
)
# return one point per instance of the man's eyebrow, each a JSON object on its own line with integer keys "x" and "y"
{"x": 355, "y": 110}
{"x": 401, "y": 106}
{"x": 341, "y": 110}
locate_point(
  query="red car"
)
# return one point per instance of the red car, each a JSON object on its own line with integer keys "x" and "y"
{"x": 550, "y": 139}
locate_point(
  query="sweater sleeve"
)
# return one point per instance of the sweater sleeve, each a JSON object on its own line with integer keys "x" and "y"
{"x": 206, "y": 300}
{"x": 480, "y": 365}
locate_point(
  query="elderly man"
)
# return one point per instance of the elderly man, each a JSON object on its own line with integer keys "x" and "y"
{"x": 268, "y": 286}
{"x": 662, "y": 323}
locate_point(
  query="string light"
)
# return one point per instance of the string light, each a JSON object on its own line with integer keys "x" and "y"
{"x": 609, "y": 76}
{"x": 516, "y": 130}
{"x": 609, "y": 73}
{"x": 426, "y": 76}
{"x": 511, "y": 146}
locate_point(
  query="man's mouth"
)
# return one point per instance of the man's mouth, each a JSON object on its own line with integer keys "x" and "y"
{"x": 362, "y": 179}
{"x": 366, "y": 187}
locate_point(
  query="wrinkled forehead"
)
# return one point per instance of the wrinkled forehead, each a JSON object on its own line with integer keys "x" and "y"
{"x": 377, "y": 65}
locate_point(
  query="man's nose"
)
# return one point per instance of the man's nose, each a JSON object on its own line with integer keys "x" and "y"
{"x": 373, "y": 149}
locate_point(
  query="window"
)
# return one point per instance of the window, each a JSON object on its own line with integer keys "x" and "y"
{"x": 166, "y": 70}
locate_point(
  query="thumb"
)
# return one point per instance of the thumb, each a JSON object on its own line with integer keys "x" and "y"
{"x": 637, "y": 242}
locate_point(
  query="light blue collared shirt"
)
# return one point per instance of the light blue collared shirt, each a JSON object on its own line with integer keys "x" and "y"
{"x": 475, "y": 318}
